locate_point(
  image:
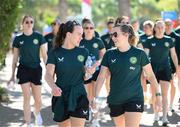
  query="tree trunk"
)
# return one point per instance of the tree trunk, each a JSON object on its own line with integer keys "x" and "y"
{"x": 124, "y": 7}
{"x": 63, "y": 10}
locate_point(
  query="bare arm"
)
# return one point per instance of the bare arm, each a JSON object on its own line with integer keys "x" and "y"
{"x": 104, "y": 72}
{"x": 151, "y": 77}
{"x": 174, "y": 57}
{"x": 146, "y": 51}
{"x": 14, "y": 62}
{"x": 43, "y": 50}
{"x": 50, "y": 68}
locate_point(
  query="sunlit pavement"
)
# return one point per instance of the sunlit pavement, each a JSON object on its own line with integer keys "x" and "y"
{"x": 11, "y": 114}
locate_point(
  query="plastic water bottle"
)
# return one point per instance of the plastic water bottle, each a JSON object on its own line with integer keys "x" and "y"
{"x": 11, "y": 85}
{"x": 89, "y": 63}
{"x": 94, "y": 61}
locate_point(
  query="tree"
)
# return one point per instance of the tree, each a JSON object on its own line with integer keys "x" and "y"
{"x": 63, "y": 10}
{"x": 9, "y": 12}
{"x": 124, "y": 7}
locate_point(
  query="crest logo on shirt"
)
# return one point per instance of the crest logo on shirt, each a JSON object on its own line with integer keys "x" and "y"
{"x": 95, "y": 45}
{"x": 61, "y": 59}
{"x": 133, "y": 60}
{"x": 35, "y": 41}
{"x": 173, "y": 39}
{"x": 166, "y": 44}
{"x": 153, "y": 44}
{"x": 80, "y": 58}
{"x": 21, "y": 42}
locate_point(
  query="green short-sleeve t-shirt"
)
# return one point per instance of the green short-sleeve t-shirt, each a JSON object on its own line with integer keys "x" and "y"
{"x": 69, "y": 65}
{"x": 108, "y": 42}
{"x": 93, "y": 46}
{"x": 159, "y": 50}
{"x": 125, "y": 69}
{"x": 29, "y": 47}
{"x": 49, "y": 39}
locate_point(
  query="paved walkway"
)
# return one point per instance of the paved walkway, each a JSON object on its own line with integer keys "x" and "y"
{"x": 11, "y": 114}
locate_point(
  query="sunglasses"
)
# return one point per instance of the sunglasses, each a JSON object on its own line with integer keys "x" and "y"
{"x": 91, "y": 28}
{"x": 29, "y": 22}
{"x": 114, "y": 34}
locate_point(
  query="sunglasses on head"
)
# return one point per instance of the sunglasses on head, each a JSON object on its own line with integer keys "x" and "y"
{"x": 29, "y": 22}
{"x": 114, "y": 34}
{"x": 91, "y": 28}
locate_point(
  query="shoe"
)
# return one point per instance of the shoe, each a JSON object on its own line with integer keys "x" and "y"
{"x": 95, "y": 123}
{"x": 156, "y": 117}
{"x": 155, "y": 123}
{"x": 165, "y": 122}
{"x": 90, "y": 115}
{"x": 29, "y": 125}
{"x": 38, "y": 119}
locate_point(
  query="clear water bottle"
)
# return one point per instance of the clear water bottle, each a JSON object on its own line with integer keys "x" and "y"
{"x": 94, "y": 61}
{"x": 89, "y": 63}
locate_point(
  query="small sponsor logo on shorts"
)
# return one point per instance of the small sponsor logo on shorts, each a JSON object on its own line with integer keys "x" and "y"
{"x": 85, "y": 112}
{"x": 95, "y": 45}
{"x": 138, "y": 106}
{"x": 81, "y": 46}
{"x": 61, "y": 59}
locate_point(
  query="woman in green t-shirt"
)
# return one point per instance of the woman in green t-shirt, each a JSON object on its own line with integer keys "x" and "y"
{"x": 125, "y": 65}
{"x": 67, "y": 60}
{"x": 27, "y": 47}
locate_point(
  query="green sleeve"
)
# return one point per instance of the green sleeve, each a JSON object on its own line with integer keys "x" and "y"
{"x": 51, "y": 57}
{"x": 42, "y": 40}
{"x": 171, "y": 43}
{"x": 101, "y": 44}
{"x": 146, "y": 44}
{"x": 144, "y": 59}
{"x": 105, "y": 60}
{"x": 16, "y": 43}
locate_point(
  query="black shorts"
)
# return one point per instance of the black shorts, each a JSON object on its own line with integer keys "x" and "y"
{"x": 61, "y": 113}
{"x": 164, "y": 74}
{"x": 26, "y": 74}
{"x": 94, "y": 77}
{"x": 117, "y": 110}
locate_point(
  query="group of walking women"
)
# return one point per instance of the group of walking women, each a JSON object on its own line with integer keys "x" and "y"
{"x": 78, "y": 62}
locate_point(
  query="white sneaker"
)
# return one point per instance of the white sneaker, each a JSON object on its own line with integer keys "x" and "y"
{"x": 165, "y": 122}
{"x": 156, "y": 117}
{"x": 29, "y": 125}
{"x": 95, "y": 123}
{"x": 38, "y": 119}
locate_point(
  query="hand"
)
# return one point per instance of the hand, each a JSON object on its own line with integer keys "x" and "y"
{"x": 158, "y": 104}
{"x": 90, "y": 70}
{"x": 56, "y": 91}
{"x": 12, "y": 79}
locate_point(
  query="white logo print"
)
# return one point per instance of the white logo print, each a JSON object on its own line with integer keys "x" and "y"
{"x": 138, "y": 106}
{"x": 113, "y": 60}
{"x": 61, "y": 59}
{"x": 153, "y": 44}
{"x": 82, "y": 46}
{"x": 21, "y": 42}
{"x": 84, "y": 112}
{"x": 132, "y": 68}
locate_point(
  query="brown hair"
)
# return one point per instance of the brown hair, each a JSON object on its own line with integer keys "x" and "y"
{"x": 127, "y": 28}
{"x": 119, "y": 19}
{"x": 63, "y": 29}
